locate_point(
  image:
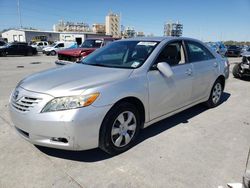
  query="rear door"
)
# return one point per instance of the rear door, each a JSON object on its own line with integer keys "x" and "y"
{"x": 205, "y": 69}
{"x": 169, "y": 94}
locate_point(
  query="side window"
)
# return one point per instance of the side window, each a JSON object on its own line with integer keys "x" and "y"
{"x": 45, "y": 44}
{"x": 198, "y": 52}
{"x": 13, "y": 46}
{"x": 40, "y": 44}
{"x": 173, "y": 54}
{"x": 60, "y": 45}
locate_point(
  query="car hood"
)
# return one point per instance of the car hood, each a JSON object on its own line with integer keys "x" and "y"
{"x": 72, "y": 79}
{"x": 75, "y": 52}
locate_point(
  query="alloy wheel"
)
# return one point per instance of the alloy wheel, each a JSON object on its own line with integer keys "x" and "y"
{"x": 123, "y": 129}
{"x": 217, "y": 91}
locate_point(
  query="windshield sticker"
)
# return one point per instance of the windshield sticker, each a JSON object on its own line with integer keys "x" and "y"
{"x": 147, "y": 43}
{"x": 98, "y": 41}
{"x": 135, "y": 64}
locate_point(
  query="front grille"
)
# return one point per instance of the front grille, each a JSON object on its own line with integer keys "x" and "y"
{"x": 24, "y": 104}
{"x": 66, "y": 58}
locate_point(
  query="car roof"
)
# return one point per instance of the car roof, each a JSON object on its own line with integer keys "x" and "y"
{"x": 158, "y": 39}
{"x": 101, "y": 38}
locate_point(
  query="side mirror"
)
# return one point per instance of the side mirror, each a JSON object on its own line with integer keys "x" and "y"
{"x": 165, "y": 69}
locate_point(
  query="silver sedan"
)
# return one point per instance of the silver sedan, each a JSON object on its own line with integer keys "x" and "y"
{"x": 119, "y": 89}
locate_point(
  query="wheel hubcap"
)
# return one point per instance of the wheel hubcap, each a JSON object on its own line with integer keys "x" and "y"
{"x": 217, "y": 90}
{"x": 123, "y": 129}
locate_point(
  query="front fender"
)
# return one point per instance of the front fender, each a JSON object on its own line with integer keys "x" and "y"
{"x": 111, "y": 93}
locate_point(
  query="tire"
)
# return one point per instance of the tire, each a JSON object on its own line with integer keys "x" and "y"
{"x": 53, "y": 53}
{"x": 3, "y": 54}
{"x": 116, "y": 137}
{"x": 215, "y": 94}
{"x": 236, "y": 71}
{"x": 29, "y": 53}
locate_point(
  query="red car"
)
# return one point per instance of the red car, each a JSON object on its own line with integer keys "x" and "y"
{"x": 69, "y": 56}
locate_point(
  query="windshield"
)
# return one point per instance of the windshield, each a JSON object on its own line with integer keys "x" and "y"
{"x": 91, "y": 43}
{"x": 122, "y": 54}
{"x": 53, "y": 44}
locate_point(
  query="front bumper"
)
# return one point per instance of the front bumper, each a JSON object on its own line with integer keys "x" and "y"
{"x": 76, "y": 129}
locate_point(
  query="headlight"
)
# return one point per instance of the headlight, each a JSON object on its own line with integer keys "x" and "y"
{"x": 71, "y": 102}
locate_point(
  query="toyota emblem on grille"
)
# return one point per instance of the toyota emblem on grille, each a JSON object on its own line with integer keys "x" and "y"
{"x": 15, "y": 95}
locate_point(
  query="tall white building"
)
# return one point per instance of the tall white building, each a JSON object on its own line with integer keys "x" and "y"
{"x": 113, "y": 25}
{"x": 173, "y": 29}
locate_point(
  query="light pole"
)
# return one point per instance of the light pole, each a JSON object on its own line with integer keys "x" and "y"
{"x": 19, "y": 13}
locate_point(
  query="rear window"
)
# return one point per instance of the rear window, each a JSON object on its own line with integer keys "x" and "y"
{"x": 92, "y": 43}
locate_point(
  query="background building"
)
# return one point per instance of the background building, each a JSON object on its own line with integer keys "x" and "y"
{"x": 98, "y": 28}
{"x": 71, "y": 26}
{"x": 22, "y": 35}
{"x": 140, "y": 34}
{"x": 113, "y": 25}
{"x": 173, "y": 29}
{"x": 129, "y": 32}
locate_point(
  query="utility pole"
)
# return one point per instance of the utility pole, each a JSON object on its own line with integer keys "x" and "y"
{"x": 19, "y": 14}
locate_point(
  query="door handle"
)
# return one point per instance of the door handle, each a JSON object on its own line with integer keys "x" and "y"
{"x": 188, "y": 72}
{"x": 215, "y": 64}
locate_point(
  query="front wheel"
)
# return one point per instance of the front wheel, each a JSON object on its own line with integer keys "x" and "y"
{"x": 53, "y": 53}
{"x": 119, "y": 128}
{"x": 215, "y": 95}
{"x": 3, "y": 54}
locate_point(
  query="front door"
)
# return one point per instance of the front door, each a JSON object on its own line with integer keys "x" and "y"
{"x": 169, "y": 94}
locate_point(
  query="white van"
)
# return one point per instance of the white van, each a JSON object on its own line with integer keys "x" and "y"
{"x": 40, "y": 45}
{"x": 60, "y": 45}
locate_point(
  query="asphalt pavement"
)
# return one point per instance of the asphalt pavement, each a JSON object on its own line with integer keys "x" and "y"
{"x": 195, "y": 148}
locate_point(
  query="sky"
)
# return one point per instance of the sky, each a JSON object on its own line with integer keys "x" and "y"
{"x": 207, "y": 20}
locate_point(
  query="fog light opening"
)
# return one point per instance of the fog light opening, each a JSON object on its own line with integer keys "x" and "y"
{"x": 63, "y": 140}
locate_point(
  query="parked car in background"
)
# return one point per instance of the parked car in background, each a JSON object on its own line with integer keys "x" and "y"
{"x": 115, "y": 91}
{"x": 17, "y": 48}
{"x": 218, "y": 47}
{"x": 2, "y": 44}
{"x": 245, "y": 49}
{"x": 242, "y": 69}
{"x": 69, "y": 56}
{"x": 40, "y": 45}
{"x": 55, "y": 47}
{"x": 233, "y": 51}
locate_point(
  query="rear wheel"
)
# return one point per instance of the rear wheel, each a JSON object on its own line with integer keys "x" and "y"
{"x": 236, "y": 71}
{"x": 29, "y": 53}
{"x": 215, "y": 95}
{"x": 119, "y": 128}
